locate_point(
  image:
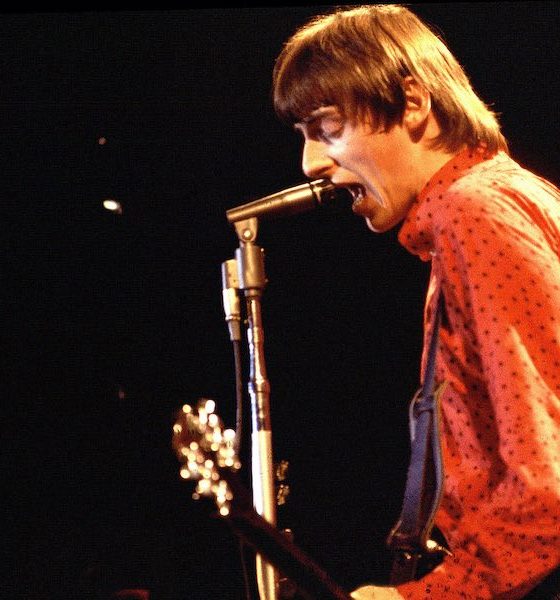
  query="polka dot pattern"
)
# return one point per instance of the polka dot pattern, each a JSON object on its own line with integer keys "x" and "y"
{"x": 491, "y": 230}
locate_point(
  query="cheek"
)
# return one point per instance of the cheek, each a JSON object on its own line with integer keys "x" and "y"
{"x": 370, "y": 156}
{"x": 339, "y": 152}
{"x": 350, "y": 149}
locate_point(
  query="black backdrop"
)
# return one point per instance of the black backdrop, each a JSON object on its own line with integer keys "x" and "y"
{"x": 111, "y": 322}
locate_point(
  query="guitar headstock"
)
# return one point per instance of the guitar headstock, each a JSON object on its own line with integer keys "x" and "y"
{"x": 204, "y": 447}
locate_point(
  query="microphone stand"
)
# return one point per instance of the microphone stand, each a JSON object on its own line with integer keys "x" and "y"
{"x": 252, "y": 280}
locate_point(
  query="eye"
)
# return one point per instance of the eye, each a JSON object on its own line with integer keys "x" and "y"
{"x": 330, "y": 128}
{"x": 324, "y": 126}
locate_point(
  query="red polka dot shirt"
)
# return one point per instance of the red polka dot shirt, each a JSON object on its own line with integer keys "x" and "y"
{"x": 492, "y": 232}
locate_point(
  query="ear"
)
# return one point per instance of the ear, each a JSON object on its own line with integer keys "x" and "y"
{"x": 418, "y": 104}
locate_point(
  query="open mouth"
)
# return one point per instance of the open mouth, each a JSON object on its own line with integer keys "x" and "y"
{"x": 357, "y": 191}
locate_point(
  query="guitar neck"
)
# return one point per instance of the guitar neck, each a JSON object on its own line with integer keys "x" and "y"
{"x": 207, "y": 454}
{"x": 313, "y": 582}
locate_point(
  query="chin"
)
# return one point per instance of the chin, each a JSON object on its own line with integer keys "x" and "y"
{"x": 377, "y": 227}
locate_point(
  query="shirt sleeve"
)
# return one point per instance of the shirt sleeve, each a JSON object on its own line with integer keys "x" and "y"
{"x": 500, "y": 274}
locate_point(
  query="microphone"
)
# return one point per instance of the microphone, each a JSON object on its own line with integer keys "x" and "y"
{"x": 291, "y": 201}
{"x": 230, "y": 298}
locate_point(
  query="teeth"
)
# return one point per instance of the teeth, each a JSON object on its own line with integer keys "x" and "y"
{"x": 357, "y": 192}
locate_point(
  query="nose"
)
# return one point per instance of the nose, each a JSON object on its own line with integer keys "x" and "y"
{"x": 316, "y": 162}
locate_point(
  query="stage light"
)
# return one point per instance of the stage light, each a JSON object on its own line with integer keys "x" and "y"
{"x": 113, "y": 206}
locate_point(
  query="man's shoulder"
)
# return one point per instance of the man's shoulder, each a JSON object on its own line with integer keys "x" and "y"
{"x": 489, "y": 187}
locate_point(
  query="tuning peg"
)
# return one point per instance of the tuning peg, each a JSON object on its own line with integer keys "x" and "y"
{"x": 282, "y": 489}
{"x": 282, "y": 494}
{"x": 282, "y": 470}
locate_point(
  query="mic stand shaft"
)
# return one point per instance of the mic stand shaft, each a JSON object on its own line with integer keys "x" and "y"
{"x": 252, "y": 280}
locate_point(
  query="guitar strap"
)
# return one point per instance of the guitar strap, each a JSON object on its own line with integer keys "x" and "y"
{"x": 409, "y": 540}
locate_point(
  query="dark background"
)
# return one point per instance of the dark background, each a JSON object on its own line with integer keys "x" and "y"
{"x": 112, "y": 322}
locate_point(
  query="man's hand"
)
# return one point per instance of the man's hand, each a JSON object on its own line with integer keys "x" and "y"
{"x": 376, "y": 592}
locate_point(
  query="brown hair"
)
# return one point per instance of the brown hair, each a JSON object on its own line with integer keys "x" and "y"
{"x": 357, "y": 58}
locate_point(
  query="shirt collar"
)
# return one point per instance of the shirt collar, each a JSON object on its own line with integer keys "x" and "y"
{"x": 414, "y": 234}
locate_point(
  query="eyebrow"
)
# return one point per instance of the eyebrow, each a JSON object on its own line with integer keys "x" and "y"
{"x": 320, "y": 112}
